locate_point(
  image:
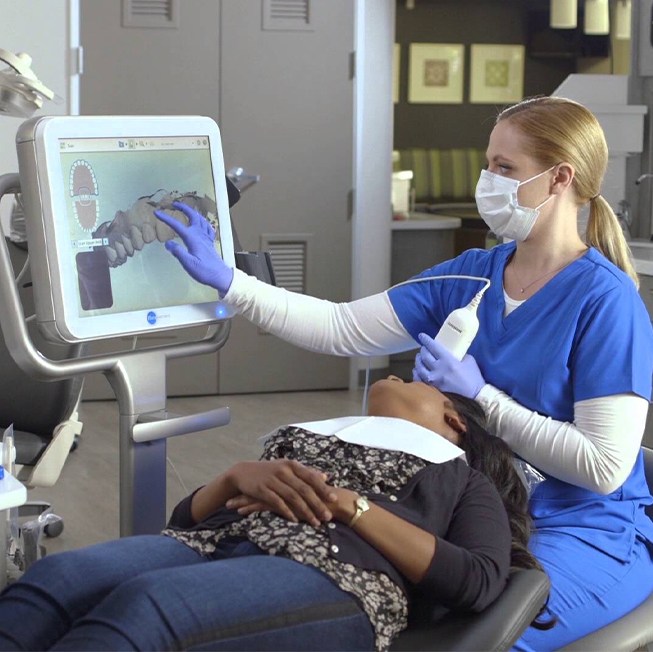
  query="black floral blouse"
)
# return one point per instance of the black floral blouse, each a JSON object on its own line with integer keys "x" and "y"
{"x": 367, "y": 471}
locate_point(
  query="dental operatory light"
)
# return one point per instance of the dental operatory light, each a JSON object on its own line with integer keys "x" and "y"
{"x": 21, "y": 92}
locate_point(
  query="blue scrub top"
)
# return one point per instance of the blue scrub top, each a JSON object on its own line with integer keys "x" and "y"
{"x": 585, "y": 334}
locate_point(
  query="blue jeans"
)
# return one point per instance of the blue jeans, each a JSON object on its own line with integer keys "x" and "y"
{"x": 154, "y": 593}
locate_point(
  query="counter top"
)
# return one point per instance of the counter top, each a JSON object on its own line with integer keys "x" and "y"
{"x": 642, "y": 256}
{"x": 426, "y": 222}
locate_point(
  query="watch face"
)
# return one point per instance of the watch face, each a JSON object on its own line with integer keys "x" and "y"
{"x": 361, "y": 507}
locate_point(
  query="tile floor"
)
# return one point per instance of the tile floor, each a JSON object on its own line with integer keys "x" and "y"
{"x": 86, "y": 494}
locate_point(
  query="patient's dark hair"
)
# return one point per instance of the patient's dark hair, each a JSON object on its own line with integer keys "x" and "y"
{"x": 493, "y": 457}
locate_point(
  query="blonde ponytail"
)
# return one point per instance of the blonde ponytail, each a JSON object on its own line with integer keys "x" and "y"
{"x": 558, "y": 129}
{"x": 604, "y": 233}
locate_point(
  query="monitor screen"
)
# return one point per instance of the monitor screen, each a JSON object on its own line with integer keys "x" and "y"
{"x": 90, "y": 187}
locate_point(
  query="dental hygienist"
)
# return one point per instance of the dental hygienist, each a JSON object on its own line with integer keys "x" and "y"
{"x": 562, "y": 363}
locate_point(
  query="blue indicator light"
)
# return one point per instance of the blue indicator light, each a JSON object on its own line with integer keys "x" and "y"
{"x": 151, "y": 317}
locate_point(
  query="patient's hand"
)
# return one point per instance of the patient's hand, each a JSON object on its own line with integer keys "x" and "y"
{"x": 285, "y": 487}
{"x": 342, "y": 508}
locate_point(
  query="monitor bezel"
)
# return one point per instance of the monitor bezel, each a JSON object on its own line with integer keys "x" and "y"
{"x": 43, "y": 188}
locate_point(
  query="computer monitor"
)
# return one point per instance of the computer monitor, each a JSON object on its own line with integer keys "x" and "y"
{"x": 90, "y": 185}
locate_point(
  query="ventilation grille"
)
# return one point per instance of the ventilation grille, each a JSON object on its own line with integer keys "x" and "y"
{"x": 287, "y": 15}
{"x": 150, "y": 13}
{"x": 289, "y": 257}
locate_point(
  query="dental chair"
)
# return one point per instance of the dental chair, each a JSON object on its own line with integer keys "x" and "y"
{"x": 634, "y": 631}
{"x": 495, "y": 628}
{"x": 44, "y": 414}
{"x": 500, "y": 625}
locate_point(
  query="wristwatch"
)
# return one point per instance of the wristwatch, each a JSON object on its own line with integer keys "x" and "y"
{"x": 361, "y": 507}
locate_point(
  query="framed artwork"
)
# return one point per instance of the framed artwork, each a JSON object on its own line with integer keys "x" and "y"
{"x": 497, "y": 74}
{"x": 396, "y": 68}
{"x": 436, "y": 73}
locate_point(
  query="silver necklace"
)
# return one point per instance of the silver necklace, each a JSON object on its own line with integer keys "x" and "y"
{"x": 523, "y": 288}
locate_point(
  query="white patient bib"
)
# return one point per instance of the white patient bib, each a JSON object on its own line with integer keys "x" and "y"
{"x": 389, "y": 433}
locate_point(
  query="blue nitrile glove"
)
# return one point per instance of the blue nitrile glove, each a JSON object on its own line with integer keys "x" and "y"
{"x": 434, "y": 365}
{"x": 199, "y": 258}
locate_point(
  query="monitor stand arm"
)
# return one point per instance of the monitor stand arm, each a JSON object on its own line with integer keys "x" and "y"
{"x": 145, "y": 424}
{"x": 138, "y": 379}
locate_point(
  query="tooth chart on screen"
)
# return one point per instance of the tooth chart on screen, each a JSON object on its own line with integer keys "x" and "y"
{"x": 84, "y": 193}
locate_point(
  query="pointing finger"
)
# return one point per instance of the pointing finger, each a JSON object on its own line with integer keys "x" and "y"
{"x": 174, "y": 224}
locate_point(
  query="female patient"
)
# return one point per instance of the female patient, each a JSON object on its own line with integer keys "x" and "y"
{"x": 322, "y": 545}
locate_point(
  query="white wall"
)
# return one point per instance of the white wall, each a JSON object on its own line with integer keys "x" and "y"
{"x": 641, "y": 92}
{"x": 47, "y": 30}
{"x": 375, "y": 35}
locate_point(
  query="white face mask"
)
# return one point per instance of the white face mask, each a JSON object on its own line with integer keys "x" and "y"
{"x": 497, "y": 203}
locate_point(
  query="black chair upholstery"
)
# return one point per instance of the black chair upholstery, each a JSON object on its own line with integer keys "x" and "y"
{"x": 495, "y": 628}
{"x": 36, "y": 409}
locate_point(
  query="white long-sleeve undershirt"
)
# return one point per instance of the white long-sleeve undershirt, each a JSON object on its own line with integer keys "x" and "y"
{"x": 367, "y": 326}
{"x": 596, "y": 451}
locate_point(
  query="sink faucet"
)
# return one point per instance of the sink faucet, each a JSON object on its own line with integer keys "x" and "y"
{"x": 625, "y": 218}
{"x": 640, "y": 178}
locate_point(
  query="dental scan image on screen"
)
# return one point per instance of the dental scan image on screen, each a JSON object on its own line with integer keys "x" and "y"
{"x": 117, "y": 241}
{"x": 97, "y": 251}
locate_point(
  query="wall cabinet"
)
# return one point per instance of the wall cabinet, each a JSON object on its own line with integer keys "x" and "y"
{"x": 284, "y": 101}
